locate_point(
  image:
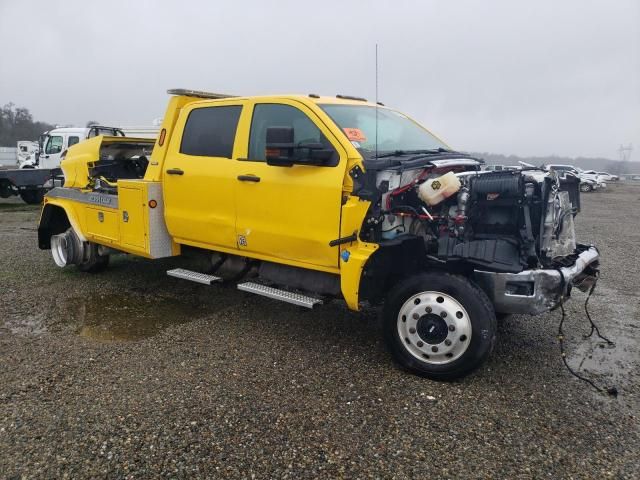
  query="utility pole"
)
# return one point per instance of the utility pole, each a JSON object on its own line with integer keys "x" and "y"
{"x": 625, "y": 152}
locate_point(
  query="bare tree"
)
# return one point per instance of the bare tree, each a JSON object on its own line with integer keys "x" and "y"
{"x": 16, "y": 123}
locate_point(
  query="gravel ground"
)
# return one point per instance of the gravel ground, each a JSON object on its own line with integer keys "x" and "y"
{"x": 131, "y": 374}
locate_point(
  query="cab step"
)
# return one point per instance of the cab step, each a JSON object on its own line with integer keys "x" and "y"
{"x": 282, "y": 295}
{"x": 193, "y": 276}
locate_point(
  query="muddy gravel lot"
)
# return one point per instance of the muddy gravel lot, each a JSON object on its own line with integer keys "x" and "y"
{"x": 132, "y": 374}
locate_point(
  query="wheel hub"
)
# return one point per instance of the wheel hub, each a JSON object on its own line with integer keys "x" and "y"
{"x": 432, "y": 329}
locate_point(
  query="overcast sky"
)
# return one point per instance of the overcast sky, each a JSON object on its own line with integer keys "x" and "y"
{"x": 533, "y": 77}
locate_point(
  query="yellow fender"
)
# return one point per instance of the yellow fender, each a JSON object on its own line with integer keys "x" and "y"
{"x": 353, "y": 256}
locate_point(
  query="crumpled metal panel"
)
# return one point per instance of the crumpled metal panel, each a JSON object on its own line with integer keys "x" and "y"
{"x": 547, "y": 286}
{"x": 563, "y": 242}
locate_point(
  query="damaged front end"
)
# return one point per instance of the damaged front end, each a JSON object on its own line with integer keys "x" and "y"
{"x": 536, "y": 291}
{"x": 512, "y": 232}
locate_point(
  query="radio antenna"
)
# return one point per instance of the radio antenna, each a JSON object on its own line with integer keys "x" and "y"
{"x": 376, "y": 100}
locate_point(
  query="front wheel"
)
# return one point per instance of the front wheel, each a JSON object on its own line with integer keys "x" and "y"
{"x": 439, "y": 325}
{"x": 585, "y": 187}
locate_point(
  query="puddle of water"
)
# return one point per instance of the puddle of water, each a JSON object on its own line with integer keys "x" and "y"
{"x": 619, "y": 362}
{"x": 128, "y": 317}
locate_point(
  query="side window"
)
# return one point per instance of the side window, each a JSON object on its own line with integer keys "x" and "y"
{"x": 54, "y": 145}
{"x": 267, "y": 115}
{"x": 211, "y": 131}
{"x": 73, "y": 141}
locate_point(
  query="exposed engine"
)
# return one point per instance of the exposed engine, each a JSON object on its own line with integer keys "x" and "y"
{"x": 119, "y": 161}
{"x": 502, "y": 221}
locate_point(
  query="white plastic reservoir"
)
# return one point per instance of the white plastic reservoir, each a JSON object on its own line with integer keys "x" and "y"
{"x": 434, "y": 190}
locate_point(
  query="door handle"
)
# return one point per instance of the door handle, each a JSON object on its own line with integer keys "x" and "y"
{"x": 175, "y": 171}
{"x": 248, "y": 178}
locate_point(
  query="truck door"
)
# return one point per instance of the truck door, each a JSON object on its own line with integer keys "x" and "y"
{"x": 289, "y": 213}
{"x": 50, "y": 158}
{"x": 199, "y": 176}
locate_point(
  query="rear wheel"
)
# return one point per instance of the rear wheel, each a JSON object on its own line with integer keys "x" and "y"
{"x": 6, "y": 189}
{"x": 439, "y": 325}
{"x": 32, "y": 197}
{"x": 585, "y": 187}
{"x": 67, "y": 249}
{"x": 93, "y": 261}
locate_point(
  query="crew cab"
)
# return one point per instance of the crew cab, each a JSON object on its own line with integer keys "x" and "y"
{"x": 308, "y": 198}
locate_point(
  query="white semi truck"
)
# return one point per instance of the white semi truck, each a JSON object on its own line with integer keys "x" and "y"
{"x": 40, "y": 163}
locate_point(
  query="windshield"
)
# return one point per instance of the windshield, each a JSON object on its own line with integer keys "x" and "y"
{"x": 395, "y": 131}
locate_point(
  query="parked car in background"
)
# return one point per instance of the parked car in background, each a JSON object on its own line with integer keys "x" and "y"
{"x": 499, "y": 168}
{"x": 609, "y": 177}
{"x": 593, "y": 175}
{"x": 588, "y": 182}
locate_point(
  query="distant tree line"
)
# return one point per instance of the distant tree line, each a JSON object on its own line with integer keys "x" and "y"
{"x": 16, "y": 123}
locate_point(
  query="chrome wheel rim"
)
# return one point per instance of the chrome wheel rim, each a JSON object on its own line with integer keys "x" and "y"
{"x": 59, "y": 250}
{"x": 434, "y": 327}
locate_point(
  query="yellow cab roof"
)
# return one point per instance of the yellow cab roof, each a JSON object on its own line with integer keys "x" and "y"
{"x": 310, "y": 98}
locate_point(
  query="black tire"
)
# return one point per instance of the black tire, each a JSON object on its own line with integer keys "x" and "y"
{"x": 95, "y": 263}
{"x": 32, "y": 197}
{"x": 480, "y": 321}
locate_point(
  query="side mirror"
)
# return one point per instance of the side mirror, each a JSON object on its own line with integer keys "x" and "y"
{"x": 280, "y": 147}
{"x": 283, "y": 152}
{"x": 317, "y": 154}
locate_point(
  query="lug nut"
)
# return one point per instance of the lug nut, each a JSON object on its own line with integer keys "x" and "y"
{"x": 412, "y": 331}
{"x": 434, "y": 349}
{"x": 428, "y": 310}
{"x": 447, "y": 342}
{"x": 452, "y": 328}
{"x": 419, "y": 344}
{"x": 463, "y": 338}
{"x": 443, "y": 314}
{"x": 416, "y": 316}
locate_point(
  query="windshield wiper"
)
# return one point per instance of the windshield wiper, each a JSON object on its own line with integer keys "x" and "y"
{"x": 395, "y": 153}
{"x": 400, "y": 153}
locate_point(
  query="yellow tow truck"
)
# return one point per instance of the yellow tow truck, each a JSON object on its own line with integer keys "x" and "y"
{"x": 301, "y": 198}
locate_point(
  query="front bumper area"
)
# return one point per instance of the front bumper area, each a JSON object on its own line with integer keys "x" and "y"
{"x": 537, "y": 291}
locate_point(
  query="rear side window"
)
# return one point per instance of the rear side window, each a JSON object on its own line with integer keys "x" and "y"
{"x": 73, "y": 140}
{"x": 211, "y": 131}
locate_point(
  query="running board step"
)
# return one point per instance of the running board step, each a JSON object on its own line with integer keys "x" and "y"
{"x": 282, "y": 295}
{"x": 193, "y": 276}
